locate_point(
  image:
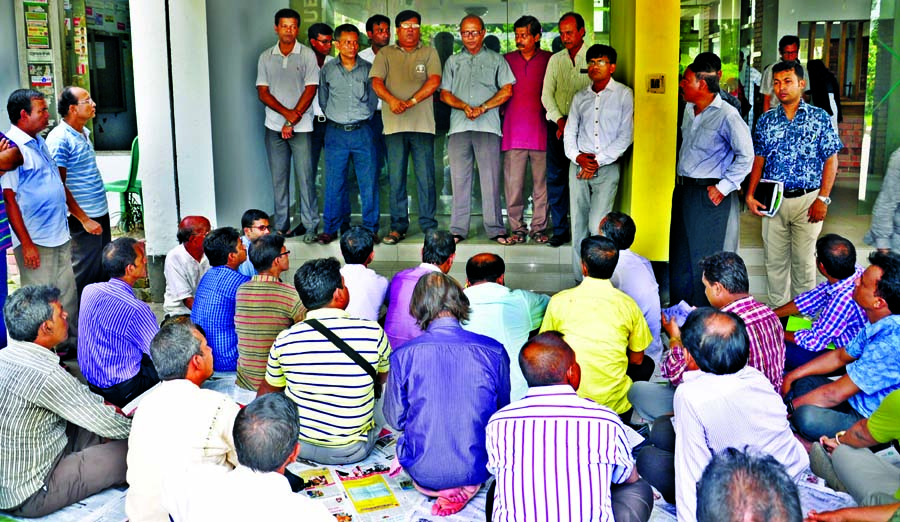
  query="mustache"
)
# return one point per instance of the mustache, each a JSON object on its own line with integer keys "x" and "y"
{"x": 519, "y": 45}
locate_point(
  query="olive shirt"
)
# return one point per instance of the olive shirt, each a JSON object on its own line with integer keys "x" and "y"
{"x": 404, "y": 73}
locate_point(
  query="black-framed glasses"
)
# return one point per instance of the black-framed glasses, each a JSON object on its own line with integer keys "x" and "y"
{"x": 286, "y": 252}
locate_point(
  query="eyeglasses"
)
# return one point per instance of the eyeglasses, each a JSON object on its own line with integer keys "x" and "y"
{"x": 598, "y": 63}
{"x": 87, "y": 101}
{"x": 469, "y": 34}
{"x": 409, "y": 26}
{"x": 261, "y": 228}
{"x": 286, "y": 252}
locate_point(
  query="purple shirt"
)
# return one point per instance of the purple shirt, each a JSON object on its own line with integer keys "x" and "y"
{"x": 525, "y": 123}
{"x": 399, "y": 325}
{"x": 114, "y": 332}
{"x": 441, "y": 446}
{"x": 839, "y": 317}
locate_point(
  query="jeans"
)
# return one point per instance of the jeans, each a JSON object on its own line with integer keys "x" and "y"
{"x": 420, "y": 146}
{"x": 557, "y": 182}
{"x": 340, "y": 147}
{"x": 814, "y": 421}
{"x": 280, "y": 154}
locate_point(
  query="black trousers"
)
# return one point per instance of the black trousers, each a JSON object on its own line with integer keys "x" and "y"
{"x": 124, "y": 392}
{"x": 87, "y": 252}
{"x": 656, "y": 461}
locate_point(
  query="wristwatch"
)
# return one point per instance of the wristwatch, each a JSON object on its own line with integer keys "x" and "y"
{"x": 824, "y": 199}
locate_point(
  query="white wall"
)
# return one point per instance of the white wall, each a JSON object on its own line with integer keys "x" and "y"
{"x": 792, "y": 11}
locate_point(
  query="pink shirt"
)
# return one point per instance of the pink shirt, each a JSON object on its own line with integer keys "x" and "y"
{"x": 525, "y": 125}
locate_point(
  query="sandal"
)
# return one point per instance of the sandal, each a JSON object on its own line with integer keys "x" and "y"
{"x": 393, "y": 238}
{"x": 458, "y": 238}
{"x": 519, "y": 237}
{"x": 540, "y": 238}
{"x": 504, "y": 239}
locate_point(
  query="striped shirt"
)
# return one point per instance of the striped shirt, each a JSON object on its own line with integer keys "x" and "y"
{"x": 72, "y": 150}
{"x": 839, "y": 317}
{"x": 265, "y": 307}
{"x": 555, "y": 456}
{"x": 213, "y": 310}
{"x": 114, "y": 332}
{"x": 335, "y": 397}
{"x": 5, "y": 233}
{"x": 562, "y": 80}
{"x": 38, "y": 398}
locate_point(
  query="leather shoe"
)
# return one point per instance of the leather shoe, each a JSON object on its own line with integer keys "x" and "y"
{"x": 324, "y": 238}
{"x": 559, "y": 240}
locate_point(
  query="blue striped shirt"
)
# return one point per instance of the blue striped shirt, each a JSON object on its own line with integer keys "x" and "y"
{"x": 114, "y": 332}
{"x": 555, "y": 456}
{"x": 73, "y": 151}
{"x": 213, "y": 310}
{"x": 335, "y": 397}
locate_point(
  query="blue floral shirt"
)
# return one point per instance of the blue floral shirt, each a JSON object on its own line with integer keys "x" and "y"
{"x": 876, "y": 370}
{"x": 795, "y": 150}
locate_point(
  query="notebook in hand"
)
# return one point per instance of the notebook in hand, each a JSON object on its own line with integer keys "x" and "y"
{"x": 770, "y": 194}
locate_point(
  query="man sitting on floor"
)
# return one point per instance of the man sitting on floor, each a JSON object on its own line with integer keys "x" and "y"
{"x": 265, "y": 437}
{"x": 438, "y": 253}
{"x": 586, "y": 441}
{"x": 821, "y": 406}
{"x": 265, "y": 307}
{"x": 46, "y": 462}
{"x": 334, "y": 395}
{"x": 255, "y": 224}
{"x": 507, "y": 316}
{"x": 178, "y": 423}
{"x": 837, "y": 316}
{"x": 605, "y": 327}
{"x": 727, "y": 286}
{"x": 185, "y": 265}
{"x": 722, "y": 403}
{"x": 634, "y": 275}
{"x": 217, "y": 295}
{"x": 367, "y": 288}
{"x": 444, "y": 386}
{"x": 116, "y": 328}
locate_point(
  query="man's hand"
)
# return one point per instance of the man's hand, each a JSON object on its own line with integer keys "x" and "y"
{"x": 588, "y": 164}
{"x": 754, "y": 205}
{"x": 4, "y": 144}
{"x": 398, "y": 106}
{"x": 31, "y": 256}
{"x": 817, "y": 211}
{"x": 787, "y": 383}
{"x": 561, "y": 127}
{"x": 714, "y": 195}
{"x": 474, "y": 112}
{"x": 828, "y": 444}
{"x": 826, "y": 516}
{"x": 92, "y": 227}
{"x": 287, "y": 132}
{"x": 670, "y": 326}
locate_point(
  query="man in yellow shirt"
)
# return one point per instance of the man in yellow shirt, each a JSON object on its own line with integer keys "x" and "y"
{"x": 605, "y": 327}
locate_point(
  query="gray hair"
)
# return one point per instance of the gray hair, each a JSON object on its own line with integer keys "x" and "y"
{"x": 27, "y": 309}
{"x": 434, "y": 294}
{"x": 265, "y": 432}
{"x": 172, "y": 349}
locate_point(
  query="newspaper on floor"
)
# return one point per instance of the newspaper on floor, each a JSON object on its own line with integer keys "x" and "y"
{"x": 815, "y": 495}
{"x": 106, "y": 506}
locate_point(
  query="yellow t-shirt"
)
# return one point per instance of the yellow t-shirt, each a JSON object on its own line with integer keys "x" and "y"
{"x": 600, "y": 323}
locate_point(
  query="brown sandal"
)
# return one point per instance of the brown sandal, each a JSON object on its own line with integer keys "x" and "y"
{"x": 519, "y": 237}
{"x": 540, "y": 238}
{"x": 504, "y": 239}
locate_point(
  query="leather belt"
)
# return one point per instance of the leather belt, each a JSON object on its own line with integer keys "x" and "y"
{"x": 696, "y": 182}
{"x": 796, "y": 193}
{"x": 346, "y": 127}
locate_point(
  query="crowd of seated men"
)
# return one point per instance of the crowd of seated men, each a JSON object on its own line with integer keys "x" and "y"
{"x": 542, "y": 388}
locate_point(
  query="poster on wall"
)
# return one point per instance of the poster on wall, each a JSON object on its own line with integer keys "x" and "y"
{"x": 37, "y": 24}
{"x": 40, "y": 78}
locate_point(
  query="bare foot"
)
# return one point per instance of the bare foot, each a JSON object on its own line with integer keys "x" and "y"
{"x": 453, "y": 500}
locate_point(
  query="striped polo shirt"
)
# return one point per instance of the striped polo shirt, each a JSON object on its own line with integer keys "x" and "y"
{"x": 335, "y": 397}
{"x": 265, "y": 307}
{"x": 72, "y": 150}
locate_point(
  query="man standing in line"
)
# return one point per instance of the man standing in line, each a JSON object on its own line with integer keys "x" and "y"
{"x": 716, "y": 155}
{"x": 562, "y": 80}
{"x": 477, "y": 81}
{"x": 286, "y": 84}
{"x": 789, "y": 49}
{"x": 796, "y": 145}
{"x": 10, "y": 158}
{"x": 346, "y": 96}
{"x": 405, "y": 76}
{"x": 599, "y": 131}
{"x": 321, "y": 41}
{"x": 525, "y": 135}
{"x": 378, "y": 29}
{"x": 70, "y": 144}
{"x": 37, "y": 201}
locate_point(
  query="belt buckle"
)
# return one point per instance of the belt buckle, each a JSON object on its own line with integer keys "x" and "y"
{"x": 350, "y": 127}
{"x": 320, "y": 118}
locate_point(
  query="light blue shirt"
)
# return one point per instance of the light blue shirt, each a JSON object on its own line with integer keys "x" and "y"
{"x": 73, "y": 151}
{"x": 876, "y": 370}
{"x": 475, "y": 79}
{"x": 39, "y": 190}
{"x": 716, "y": 144}
{"x": 508, "y": 317}
{"x": 346, "y": 96}
{"x": 634, "y": 276}
{"x": 247, "y": 267}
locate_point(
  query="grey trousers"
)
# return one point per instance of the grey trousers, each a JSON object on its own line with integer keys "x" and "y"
{"x": 281, "y": 153}
{"x": 590, "y": 200}
{"x": 514, "y": 162}
{"x": 55, "y": 270}
{"x": 464, "y": 149}
{"x": 342, "y": 455}
{"x": 652, "y": 399}
{"x": 85, "y": 467}
{"x": 870, "y": 480}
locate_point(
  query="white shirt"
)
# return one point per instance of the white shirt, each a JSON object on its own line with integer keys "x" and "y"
{"x": 600, "y": 123}
{"x": 183, "y": 273}
{"x": 367, "y": 290}
{"x": 207, "y": 493}
{"x": 508, "y": 317}
{"x": 176, "y": 425}
{"x": 287, "y": 77}
{"x": 634, "y": 276}
{"x": 369, "y": 56}
{"x": 555, "y": 456}
{"x": 714, "y": 412}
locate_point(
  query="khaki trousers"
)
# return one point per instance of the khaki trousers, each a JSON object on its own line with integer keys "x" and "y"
{"x": 789, "y": 243}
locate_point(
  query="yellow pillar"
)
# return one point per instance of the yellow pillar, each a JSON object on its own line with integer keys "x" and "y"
{"x": 645, "y": 34}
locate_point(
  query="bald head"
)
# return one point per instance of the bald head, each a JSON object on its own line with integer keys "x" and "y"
{"x": 191, "y": 225}
{"x": 472, "y": 18}
{"x": 545, "y": 360}
{"x": 485, "y": 268}
{"x": 717, "y": 341}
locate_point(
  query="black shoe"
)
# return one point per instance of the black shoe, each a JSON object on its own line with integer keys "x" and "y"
{"x": 559, "y": 240}
{"x": 299, "y": 230}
